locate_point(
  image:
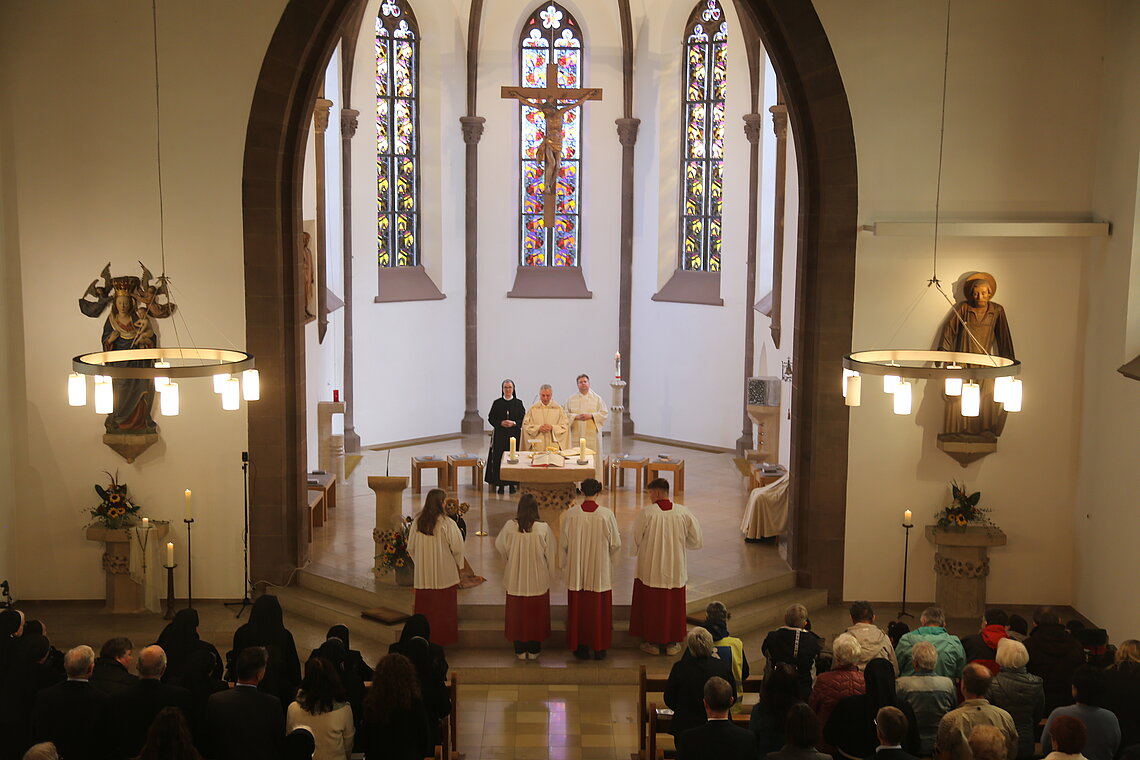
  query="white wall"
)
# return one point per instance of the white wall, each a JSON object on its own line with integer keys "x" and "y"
{"x": 1020, "y": 143}
{"x": 79, "y": 175}
{"x": 1106, "y": 519}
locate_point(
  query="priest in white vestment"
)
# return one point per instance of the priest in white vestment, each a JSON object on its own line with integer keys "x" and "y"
{"x": 546, "y": 422}
{"x": 528, "y": 545}
{"x": 662, "y": 532}
{"x": 589, "y": 540}
{"x": 436, "y": 548}
{"x": 587, "y": 413}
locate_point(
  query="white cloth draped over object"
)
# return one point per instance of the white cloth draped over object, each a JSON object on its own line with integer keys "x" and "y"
{"x": 587, "y": 544}
{"x": 529, "y": 556}
{"x": 145, "y": 568}
{"x": 660, "y": 538}
{"x": 592, "y": 404}
{"x": 546, "y": 414}
{"x": 437, "y": 557}
{"x": 767, "y": 512}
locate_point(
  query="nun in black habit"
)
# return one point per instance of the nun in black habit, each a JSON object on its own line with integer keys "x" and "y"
{"x": 506, "y": 418}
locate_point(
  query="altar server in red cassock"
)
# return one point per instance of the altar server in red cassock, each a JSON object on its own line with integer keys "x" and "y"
{"x": 529, "y": 546}
{"x": 589, "y": 541}
{"x": 661, "y": 533}
{"x": 436, "y": 547}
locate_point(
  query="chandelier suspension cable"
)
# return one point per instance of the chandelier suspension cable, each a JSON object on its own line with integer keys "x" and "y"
{"x": 941, "y": 144}
{"x": 158, "y": 142}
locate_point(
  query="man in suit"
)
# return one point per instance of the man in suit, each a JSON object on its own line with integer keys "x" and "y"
{"x": 131, "y": 711}
{"x": 891, "y": 726}
{"x": 244, "y": 723}
{"x": 66, "y": 714}
{"x": 112, "y": 669}
{"x": 720, "y": 738}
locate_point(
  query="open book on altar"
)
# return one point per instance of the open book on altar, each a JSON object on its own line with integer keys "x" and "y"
{"x": 548, "y": 459}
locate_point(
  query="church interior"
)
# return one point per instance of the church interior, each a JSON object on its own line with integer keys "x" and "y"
{"x": 206, "y": 141}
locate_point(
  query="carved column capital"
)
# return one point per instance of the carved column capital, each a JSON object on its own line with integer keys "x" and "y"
{"x": 753, "y": 122}
{"x": 472, "y": 127}
{"x": 349, "y": 122}
{"x": 627, "y": 131}
{"x": 321, "y": 114}
{"x": 779, "y": 120}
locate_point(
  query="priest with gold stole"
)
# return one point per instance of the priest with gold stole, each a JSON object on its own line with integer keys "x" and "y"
{"x": 587, "y": 413}
{"x": 546, "y": 422}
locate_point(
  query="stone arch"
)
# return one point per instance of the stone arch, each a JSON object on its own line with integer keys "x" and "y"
{"x": 820, "y": 120}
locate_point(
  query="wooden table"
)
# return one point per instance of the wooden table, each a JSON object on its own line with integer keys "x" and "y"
{"x": 326, "y": 484}
{"x": 554, "y": 487}
{"x": 676, "y": 466}
{"x": 441, "y": 467}
{"x": 455, "y": 461}
{"x": 618, "y": 466}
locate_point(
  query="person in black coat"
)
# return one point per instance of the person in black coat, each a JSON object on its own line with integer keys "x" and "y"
{"x": 353, "y": 660}
{"x": 55, "y": 657}
{"x": 129, "y": 713}
{"x": 719, "y": 738}
{"x": 11, "y": 628}
{"x": 685, "y": 689}
{"x": 779, "y": 691}
{"x": 851, "y": 726}
{"x": 179, "y": 639}
{"x": 245, "y": 723}
{"x": 28, "y": 675}
{"x": 891, "y": 730}
{"x": 198, "y": 679}
{"x": 795, "y": 644}
{"x": 266, "y": 628}
{"x": 112, "y": 667}
{"x": 506, "y": 418}
{"x": 395, "y": 720}
{"x": 417, "y": 626}
{"x": 68, "y": 713}
{"x": 1054, "y": 655}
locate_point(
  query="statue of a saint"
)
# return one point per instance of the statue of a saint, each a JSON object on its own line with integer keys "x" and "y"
{"x": 988, "y": 332}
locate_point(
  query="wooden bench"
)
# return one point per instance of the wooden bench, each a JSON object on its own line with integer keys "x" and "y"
{"x": 326, "y": 484}
{"x": 617, "y": 467}
{"x": 457, "y": 461}
{"x": 441, "y": 467}
{"x": 317, "y": 512}
{"x": 676, "y": 466}
{"x": 653, "y": 720}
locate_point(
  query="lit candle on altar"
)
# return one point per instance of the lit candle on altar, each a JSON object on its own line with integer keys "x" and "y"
{"x": 907, "y": 514}
{"x": 514, "y": 444}
{"x": 189, "y": 510}
{"x": 617, "y": 365}
{"x": 169, "y": 554}
{"x": 581, "y": 448}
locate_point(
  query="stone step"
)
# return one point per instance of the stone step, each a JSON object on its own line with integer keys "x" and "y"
{"x": 382, "y": 594}
{"x": 699, "y": 595}
{"x": 331, "y": 610}
{"x": 767, "y": 613}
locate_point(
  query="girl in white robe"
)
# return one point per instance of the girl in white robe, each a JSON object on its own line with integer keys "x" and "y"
{"x": 436, "y": 547}
{"x": 528, "y": 545}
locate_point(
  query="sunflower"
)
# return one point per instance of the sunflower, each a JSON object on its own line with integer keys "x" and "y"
{"x": 114, "y": 498}
{"x": 400, "y": 562}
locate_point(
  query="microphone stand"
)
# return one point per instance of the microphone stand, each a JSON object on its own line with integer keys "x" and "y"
{"x": 245, "y": 602}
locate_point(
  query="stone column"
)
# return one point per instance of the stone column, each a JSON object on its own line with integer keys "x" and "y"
{"x": 389, "y": 506}
{"x": 627, "y": 134}
{"x": 348, "y": 123}
{"x": 472, "y": 423}
{"x": 617, "y": 408}
{"x": 752, "y": 125}
{"x": 320, "y": 126}
{"x": 780, "y": 127}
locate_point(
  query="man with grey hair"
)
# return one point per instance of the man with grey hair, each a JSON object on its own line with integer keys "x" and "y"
{"x": 719, "y": 738}
{"x": 546, "y": 422}
{"x": 932, "y": 628}
{"x": 956, "y": 726}
{"x": 930, "y": 696}
{"x": 872, "y": 640}
{"x": 67, "y": 714}
{"x": 41, "y": 751}
{"x": 793, "y": 643}
{"x": 684, "y": 691}
{"x": 135, "y": 707}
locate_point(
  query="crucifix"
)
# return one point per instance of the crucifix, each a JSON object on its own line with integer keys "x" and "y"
{"x": 549, "y": 100}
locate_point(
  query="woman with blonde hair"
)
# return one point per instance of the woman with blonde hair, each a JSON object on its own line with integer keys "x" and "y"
{"x": 528, "y": 546}
{"x": 436, "y": 548}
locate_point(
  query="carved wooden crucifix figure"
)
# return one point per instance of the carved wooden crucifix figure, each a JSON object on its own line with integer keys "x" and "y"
{"x": 554, "y": 102}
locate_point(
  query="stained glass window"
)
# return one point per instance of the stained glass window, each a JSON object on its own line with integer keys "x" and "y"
{"x": 702, "y": 157}
{"x": 397, "y": 136}
{"x": 551, "y": 34}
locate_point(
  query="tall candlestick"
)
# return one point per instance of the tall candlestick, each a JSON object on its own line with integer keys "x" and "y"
{"x": 169, "y": 554}
{"x": 189, "y": 510}
{"x": 907, "y": 514}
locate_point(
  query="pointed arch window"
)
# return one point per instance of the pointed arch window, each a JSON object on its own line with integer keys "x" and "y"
{"x": 550, "y": 34}
{"x": 702, "y": 147}
{"x": 397, "y": 136}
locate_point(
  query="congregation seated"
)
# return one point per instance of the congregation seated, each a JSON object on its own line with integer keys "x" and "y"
{"x": 299, "y": 744}
{"x": 168, "y": 738}
{"x": 112, "y": 667}
{"x": 395, "y": 723}
{"x": 1069, "y": 738}
{"x": 982, "y": 646}
{"x": 245, "y": 723}
{"x": 11, "y": 628}
{"x": 28, "y": 675}
{"x": 929, "y": 696}
{"x": 1102, "y": 727}
{"x": 718, "y": 738}
{"x": 68, "y": 713}
{"x": 266, "y": 628}
{"x": 1122, "y": 691}
{"x": 129, "y": 712}
{"x": 41, "y": 751}
{"x": 851, "y": 725}
{"x": 795, "y": 644}
{"x": 891, "y": 730}
{"x": 1018, "y": 692}
{"x": 987, "y": 743}
{"x": 801, "y": 734}
{"x": 728, "y": 646}
{"x": 873, "y": 641}
{"x": 1054, "y": 655}
{"x": 932, "y": 628}
{"x": 55, "y": 657}
{"x": 778, "y": 692}
{"x": 956, "y": 726}
{"x": 322, "y": 708}
{"x": 433, "y": 685}
{"x": 333, "y": 652}
{"x": 198, "y": 678}
{"x": 179, "y": 639}
{"x": 1017, "y": 628}
{"x": 685, "y": 689}
{"x": 353, "y": 661}
{"x": 843, "y": 680}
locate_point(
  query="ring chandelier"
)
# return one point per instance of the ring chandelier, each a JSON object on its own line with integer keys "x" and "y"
{"x": 960, "y": 372}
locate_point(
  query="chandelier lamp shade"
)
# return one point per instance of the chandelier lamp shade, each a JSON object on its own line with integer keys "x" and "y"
{"x": 961, "y": 373}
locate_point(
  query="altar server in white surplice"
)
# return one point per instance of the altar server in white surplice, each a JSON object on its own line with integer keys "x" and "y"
{"x": 529, "y": 547}
{"x": 436, "y": 548}
{"x": 662, "y": 532}
{"x": 546, "y": 421}
{"x": 588, "y": 415}
{"x": 589, "y": 542}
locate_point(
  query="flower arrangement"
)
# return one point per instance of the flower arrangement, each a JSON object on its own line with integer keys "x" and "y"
{"x": 394, "y": 548}
{"x": 116, "y": 510}
{"x": 962, "y": 510}
{"x": 452, "y": 507}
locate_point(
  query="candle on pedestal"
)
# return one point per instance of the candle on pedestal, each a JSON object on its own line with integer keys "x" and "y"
{"x": 581, "y": 448}
{"x": 514, "y": 444}
{"x": 169, "y": 554}
{"x": 907, "y": 514}
{"x": 617, "y": 365}
{"x": 189, "y": 510}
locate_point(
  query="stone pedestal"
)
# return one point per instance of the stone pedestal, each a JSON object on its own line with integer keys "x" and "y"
{"x": 389, "y": 506}
{"x": 330, "y": 448}
{"x": 961, "y": 565}
{"x": 617, "y": 410}
{"x": 124, "y": 596}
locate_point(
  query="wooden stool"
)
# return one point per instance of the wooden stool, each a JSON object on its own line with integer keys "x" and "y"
{"x": 441, "y": 467}
{"x": 455, "y": 461}
{"x": 676, "y": 466}
{"x": 618, "y": 466}
{"x": 316, "y": 511}
{"x": 326, "y": 484}
{"x": 756, "y": 478}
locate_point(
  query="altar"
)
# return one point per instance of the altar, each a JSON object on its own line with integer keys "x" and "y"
{"x": 555, "y": 488}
